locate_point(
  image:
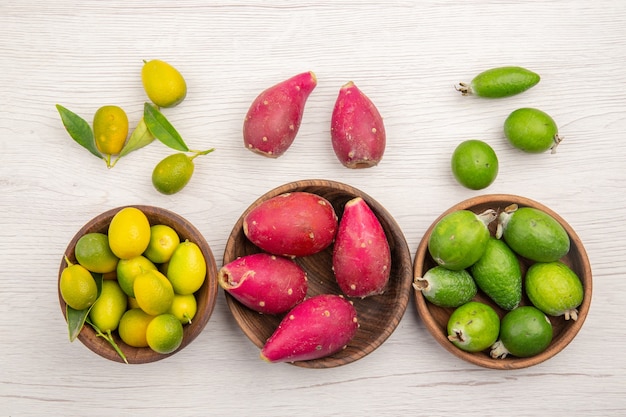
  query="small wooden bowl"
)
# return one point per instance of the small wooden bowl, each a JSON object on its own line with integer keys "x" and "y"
{"x": 378, "y": 315}
{"x": 206, "y": 296}
{"x": 436, "y": 318}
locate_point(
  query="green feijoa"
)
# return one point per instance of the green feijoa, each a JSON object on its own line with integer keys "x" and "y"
{"x": 500, "y": 82}
{"x": 532, "y": 130}
{"x": 446, "y": 288}
{"x": 459, "y": 238}
{"x": 499, "y": 275}
{"x": 473, "y": 327}
{"x": 474, "y": 164}
{"x": 533, "y": 233}
{"x": 554, "y": 288}
{"x": 524, "y": 332}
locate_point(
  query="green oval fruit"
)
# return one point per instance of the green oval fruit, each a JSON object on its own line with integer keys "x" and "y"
{"x": 524, "y": 332}
{"x": 533, "y": 234}
{"x": 172, "y": 173}
{"x": 474, "y": 164}
{"x": 446, "y": 288}
{"x": 459, "y": 239}
{"x": 499, "y": 275}
{"x": 554, "y": 288}
{"x": 500, "y": 82}
{"x": 78, "y": 287}
{"x": 473, "y": 327}
{"x": 109, "y": 308}
{"x": 531, "y": 130}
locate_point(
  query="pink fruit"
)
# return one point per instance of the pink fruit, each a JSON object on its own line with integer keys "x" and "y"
{"x": 317, "y": 327}
{"x": 274, "y": 117}
{"x": 356, "y": 129}
{"x": 265, "y": 283}
{"x": 361, "y": 254}
{"x": 292, "y": 224}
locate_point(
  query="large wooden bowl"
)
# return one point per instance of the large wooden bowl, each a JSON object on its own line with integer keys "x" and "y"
{"x": 206, "y": 296}
{"x": 378, "y": 315}
{"x": 436, "y": 318}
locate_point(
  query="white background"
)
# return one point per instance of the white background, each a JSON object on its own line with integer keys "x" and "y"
{"x": 406, "y": 56}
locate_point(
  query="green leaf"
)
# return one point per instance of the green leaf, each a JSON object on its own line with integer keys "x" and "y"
{"x": 79, "y": 130}
{"x": 162, "y": 129}
{"x": 76, "y": 318}
{"x": 140, "y": 137}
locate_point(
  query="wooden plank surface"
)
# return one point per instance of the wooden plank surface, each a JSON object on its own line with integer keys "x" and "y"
{"x": 406, "y": 56}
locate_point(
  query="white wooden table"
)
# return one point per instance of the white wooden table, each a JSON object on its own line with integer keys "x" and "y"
{"x": 406, "y": 56}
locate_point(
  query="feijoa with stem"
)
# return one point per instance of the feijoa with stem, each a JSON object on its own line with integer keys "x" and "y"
{"x": 446, "y": 288}
{"x": 533, "y": 233}
{"x": 525, "y": 331}
{"x": 532, "y": 130}
{"x": 174, "y": 172}
{"x": 460, "y": 238}
{"x": 473, "y": 327}
{"x": 500, "y": 82}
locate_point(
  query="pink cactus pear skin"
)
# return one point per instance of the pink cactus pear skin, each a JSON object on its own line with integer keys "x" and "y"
{"x": 317, "y": 327}
{"x": 265, "y": 283}
{"x": 274, "y": 117}
{"x": 361, "y": 254}
{"x": 292, "y": 224}
{"x": 357, "y": 130}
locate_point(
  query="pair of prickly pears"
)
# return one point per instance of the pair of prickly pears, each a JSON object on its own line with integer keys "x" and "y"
{"x": 301, "y": 224}
{"x": 273, "y": 120}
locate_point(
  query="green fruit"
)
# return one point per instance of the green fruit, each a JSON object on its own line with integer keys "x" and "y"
{"x": 164, "y": 334}
{"x": 533, "y": 234}
{"x": 500, "y": 82}
{"x": 554, "y": 288}
{"x": 94, "y": 253}
{"x": 531, "y": 130}
{"x": 446, "y": 288}
{"x": 78, "y": 287}
{"x": 499, "y": 275}
{"x": 474, "y": 164}
{"x": 174, "y": 172}
{"x": 109, "y": 308}
{"x": 524, "y": 332}
{"x": 459, "y": 239}
{"x": 473, "y": 327}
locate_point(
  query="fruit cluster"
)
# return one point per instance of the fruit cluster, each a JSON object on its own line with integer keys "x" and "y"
{"x": 300, "y": 224}
{"x": 474, "y": 163}
{"x": 469, "y": 258}
{"x": 137, "y": 279}
{"x": 108, "y": 135}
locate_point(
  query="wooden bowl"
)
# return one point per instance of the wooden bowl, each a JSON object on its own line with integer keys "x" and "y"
{"x": 206, "y": 296}
{"x": 436, "y": 318}
{"x": 378, "y": 315}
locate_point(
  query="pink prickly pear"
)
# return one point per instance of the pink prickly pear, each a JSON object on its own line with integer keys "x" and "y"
{"x": 292, "y": 224}
{"x": 361, "y": 254}
{"x": 357, "y": 130}
{"x": 265, "y": 283}
{"x": 317, "y": 327}
{"x": 274, "y": 117}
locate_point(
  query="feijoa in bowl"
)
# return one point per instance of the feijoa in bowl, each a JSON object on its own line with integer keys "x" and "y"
{"x": 564, "y": 331}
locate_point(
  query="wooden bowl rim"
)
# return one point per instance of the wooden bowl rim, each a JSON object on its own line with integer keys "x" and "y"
{"x": 401, "y": 247}
{"x": 509, "y": 362}
{"x": 208, "y": 291}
